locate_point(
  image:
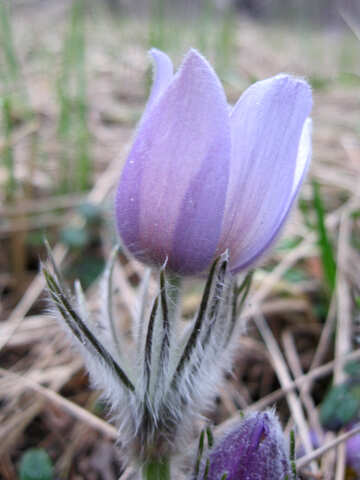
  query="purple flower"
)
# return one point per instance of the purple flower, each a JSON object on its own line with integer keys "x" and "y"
{"x": 202, "y": 177}
{"x": 352, "y": 449}
{"x": 254, "y": 450}
{"x": 353, "y": 452}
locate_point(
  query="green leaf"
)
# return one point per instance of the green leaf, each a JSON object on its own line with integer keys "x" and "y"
{"x": 288, "y": 243}
{"x": 349, "y": 79}
{"x": 90, "y": 212}
{"x": 339, "y": 407}
{"x": 86, "y": 271}
{"x": 319, "y": 83}
{"x": 292, "y": 455}
{"x": 99, "y": 408}
{"x": 74, "y": 237}
{"x": 355, "y": 214}
{"x": 327, "y": 254}
{"x": 199, "y": 454}
{"x": 305, "y": 207}
{"x": 36, "y": 465}
{"x": 35, "y": 238}
{"x": 357, "y": 302}
{"x": 295, "y": 275}
{"x": 210, "y": 437}
{"x": 353, "y": 369}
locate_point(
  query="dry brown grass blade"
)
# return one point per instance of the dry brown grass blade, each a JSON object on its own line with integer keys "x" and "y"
{"x": 75, "y": 410}
{"x": 19, "y": 135}
{"x": 27, "y": 300}
{"x": 44, "y": 205}
{"x": 308, "y": 402}
{"x": 325, "y": 336}
{"x": 100, "y": 191}
{"x": 340, "y": 439}
{"x": 283, "y": 375}
{"x": 10, "y": 432}
{"x": 312, "y": 375}
{"x": 343, "y": 341}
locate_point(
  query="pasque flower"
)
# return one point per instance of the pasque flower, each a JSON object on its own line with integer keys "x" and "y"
{"x": 254, "y": 450}
{"x": 204, "y": 187}
{"x": 203, "y": 177}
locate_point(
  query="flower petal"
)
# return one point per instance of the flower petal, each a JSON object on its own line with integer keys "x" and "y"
{"x": 162, "y": 76}
{"x": 302, "y": 165}
{"x": 254, "y": 449}
{"x": 266, "y": 169}
{"x": 171, "y": 196}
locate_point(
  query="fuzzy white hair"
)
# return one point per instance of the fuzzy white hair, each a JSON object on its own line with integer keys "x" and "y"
{"x": 171, "y": 378}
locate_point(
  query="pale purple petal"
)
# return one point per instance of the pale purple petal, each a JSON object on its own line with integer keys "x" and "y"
{"x": 171, "y": 196}
{"x": 302, "y": 165}
{"x": 266, "y": 170}
{"x": 162, "y": 75}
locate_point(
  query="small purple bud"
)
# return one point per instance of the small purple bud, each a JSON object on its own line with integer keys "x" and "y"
{"x": 352, "y": 450}
{"x": 300, "y": 451}
{"x": 254, "y": 450}
{"x": 353, "y": 453}
{"x": 201, "y": 179}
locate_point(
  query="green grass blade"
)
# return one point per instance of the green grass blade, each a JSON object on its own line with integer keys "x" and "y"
{"x": 8, "y": 154}
{"x": 326, "y": 249}
{"x": 6, "y": 37}
{"x": 72, "y": 97}
{"x": 157, "y": 25}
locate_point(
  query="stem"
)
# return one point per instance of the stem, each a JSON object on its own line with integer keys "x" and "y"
{"x": 156, "y": 470}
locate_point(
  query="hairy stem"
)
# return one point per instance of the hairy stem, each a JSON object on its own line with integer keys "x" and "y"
{"x": 156, "y": 470}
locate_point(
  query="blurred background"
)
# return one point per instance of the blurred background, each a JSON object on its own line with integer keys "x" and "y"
{"x": 74, "y": 78}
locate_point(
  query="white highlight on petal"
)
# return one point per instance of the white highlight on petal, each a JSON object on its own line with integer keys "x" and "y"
{"x": 163, "y": 72}
{"x": 303, "y": 158}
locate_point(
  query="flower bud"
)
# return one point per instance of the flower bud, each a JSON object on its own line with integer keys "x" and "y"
{"x": 254, "y": 450}
{"x": 353, "y": 453}
{"x": 352, "y": 450}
